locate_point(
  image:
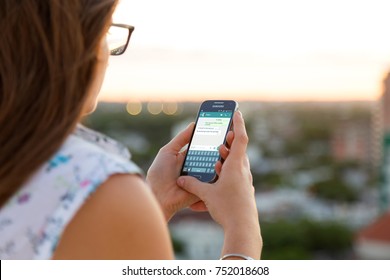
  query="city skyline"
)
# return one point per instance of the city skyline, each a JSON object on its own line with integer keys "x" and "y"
{"x": 251, "y": 50}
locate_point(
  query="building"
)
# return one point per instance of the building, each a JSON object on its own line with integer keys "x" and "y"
{"x": 351, "y": 141}
{"x": 385, "y": 134}
{"x": 373, "y": 242}
{"x": 200, "y": 236}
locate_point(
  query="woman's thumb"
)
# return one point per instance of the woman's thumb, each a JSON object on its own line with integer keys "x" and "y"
{"x": 193, "y": 185}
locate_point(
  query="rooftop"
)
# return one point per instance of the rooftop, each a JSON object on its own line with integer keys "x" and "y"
{"x": 378, "y": 231}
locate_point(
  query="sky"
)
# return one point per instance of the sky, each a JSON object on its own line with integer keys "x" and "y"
{"x": 272, "y": 50}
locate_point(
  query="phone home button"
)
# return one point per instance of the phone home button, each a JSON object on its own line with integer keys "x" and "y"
{"x": 198, "y": 177}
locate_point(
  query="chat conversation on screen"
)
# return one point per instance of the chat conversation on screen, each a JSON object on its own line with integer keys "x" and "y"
{"x": 210, "y": 131}
{"x": 208, "y": 126}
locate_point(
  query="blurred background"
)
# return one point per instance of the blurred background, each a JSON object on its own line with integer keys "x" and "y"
{"x": 312, "y": 81}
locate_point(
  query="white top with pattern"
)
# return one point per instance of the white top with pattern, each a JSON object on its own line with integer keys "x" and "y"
{"x": 33, "y": 220}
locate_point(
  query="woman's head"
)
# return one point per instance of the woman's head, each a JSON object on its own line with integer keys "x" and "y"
{"x": 50, "y": 52}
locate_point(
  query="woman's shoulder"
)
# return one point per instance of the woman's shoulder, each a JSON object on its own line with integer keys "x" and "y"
{"x": 119, "y": 216}
{"x": 54, "y": 194}
{"x": 121, "y": 220}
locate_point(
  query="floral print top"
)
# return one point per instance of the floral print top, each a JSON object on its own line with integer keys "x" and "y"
{"x": 33, "y": 220}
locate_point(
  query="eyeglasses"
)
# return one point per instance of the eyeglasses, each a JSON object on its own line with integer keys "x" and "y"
{"x": 118, "y": 37}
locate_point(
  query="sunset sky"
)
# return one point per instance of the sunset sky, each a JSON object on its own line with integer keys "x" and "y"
{"x": 279, "y": 50}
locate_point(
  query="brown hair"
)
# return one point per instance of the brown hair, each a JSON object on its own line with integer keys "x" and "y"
{"x": 48, "y": 55}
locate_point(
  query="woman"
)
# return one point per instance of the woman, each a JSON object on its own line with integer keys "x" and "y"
{"x": 65, "y": 196}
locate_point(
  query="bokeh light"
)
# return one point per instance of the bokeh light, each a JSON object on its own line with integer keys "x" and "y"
{"x": 155, "y": 108}
{"x": 134, "y": 108}
{"x": 170, "y": 108}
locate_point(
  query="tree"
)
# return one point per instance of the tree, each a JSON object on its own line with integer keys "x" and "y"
{"x": 334, "y": 190}
{"x": 305, "y": 239}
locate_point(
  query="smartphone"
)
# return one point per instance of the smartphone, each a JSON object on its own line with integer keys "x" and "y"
{"x": 213, "y": 122}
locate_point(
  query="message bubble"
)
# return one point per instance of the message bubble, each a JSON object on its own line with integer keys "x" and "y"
{"x": 214, "y": 122}
{"x": 207, "y": 130}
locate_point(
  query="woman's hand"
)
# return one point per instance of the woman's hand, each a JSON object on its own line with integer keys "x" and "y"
{"x": 164, "y": 171}
{"x": 230, "y": 200}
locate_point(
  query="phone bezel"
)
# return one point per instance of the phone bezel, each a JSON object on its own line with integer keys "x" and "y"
{"x": 208, "y": 107}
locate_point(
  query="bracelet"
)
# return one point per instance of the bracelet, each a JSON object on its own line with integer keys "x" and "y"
{"x": 238, "y": 256}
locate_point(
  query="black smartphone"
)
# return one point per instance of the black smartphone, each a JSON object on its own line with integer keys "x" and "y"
{"x": 213, "y": 122}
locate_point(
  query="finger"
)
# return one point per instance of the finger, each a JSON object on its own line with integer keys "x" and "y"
{"x": 182, "y": 154}
{"x": 229, "y": 138}
{"x": 181, "y": 139}
{"x": 223, "y": 152}
{"x": 218, "y": 167}
{"x": 193, "y": 185}
{"x": 240, "y": 141}
{"x": 199, "y": 206}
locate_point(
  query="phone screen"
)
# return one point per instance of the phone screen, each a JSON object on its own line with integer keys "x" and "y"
{"x": 213, "y": 123}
